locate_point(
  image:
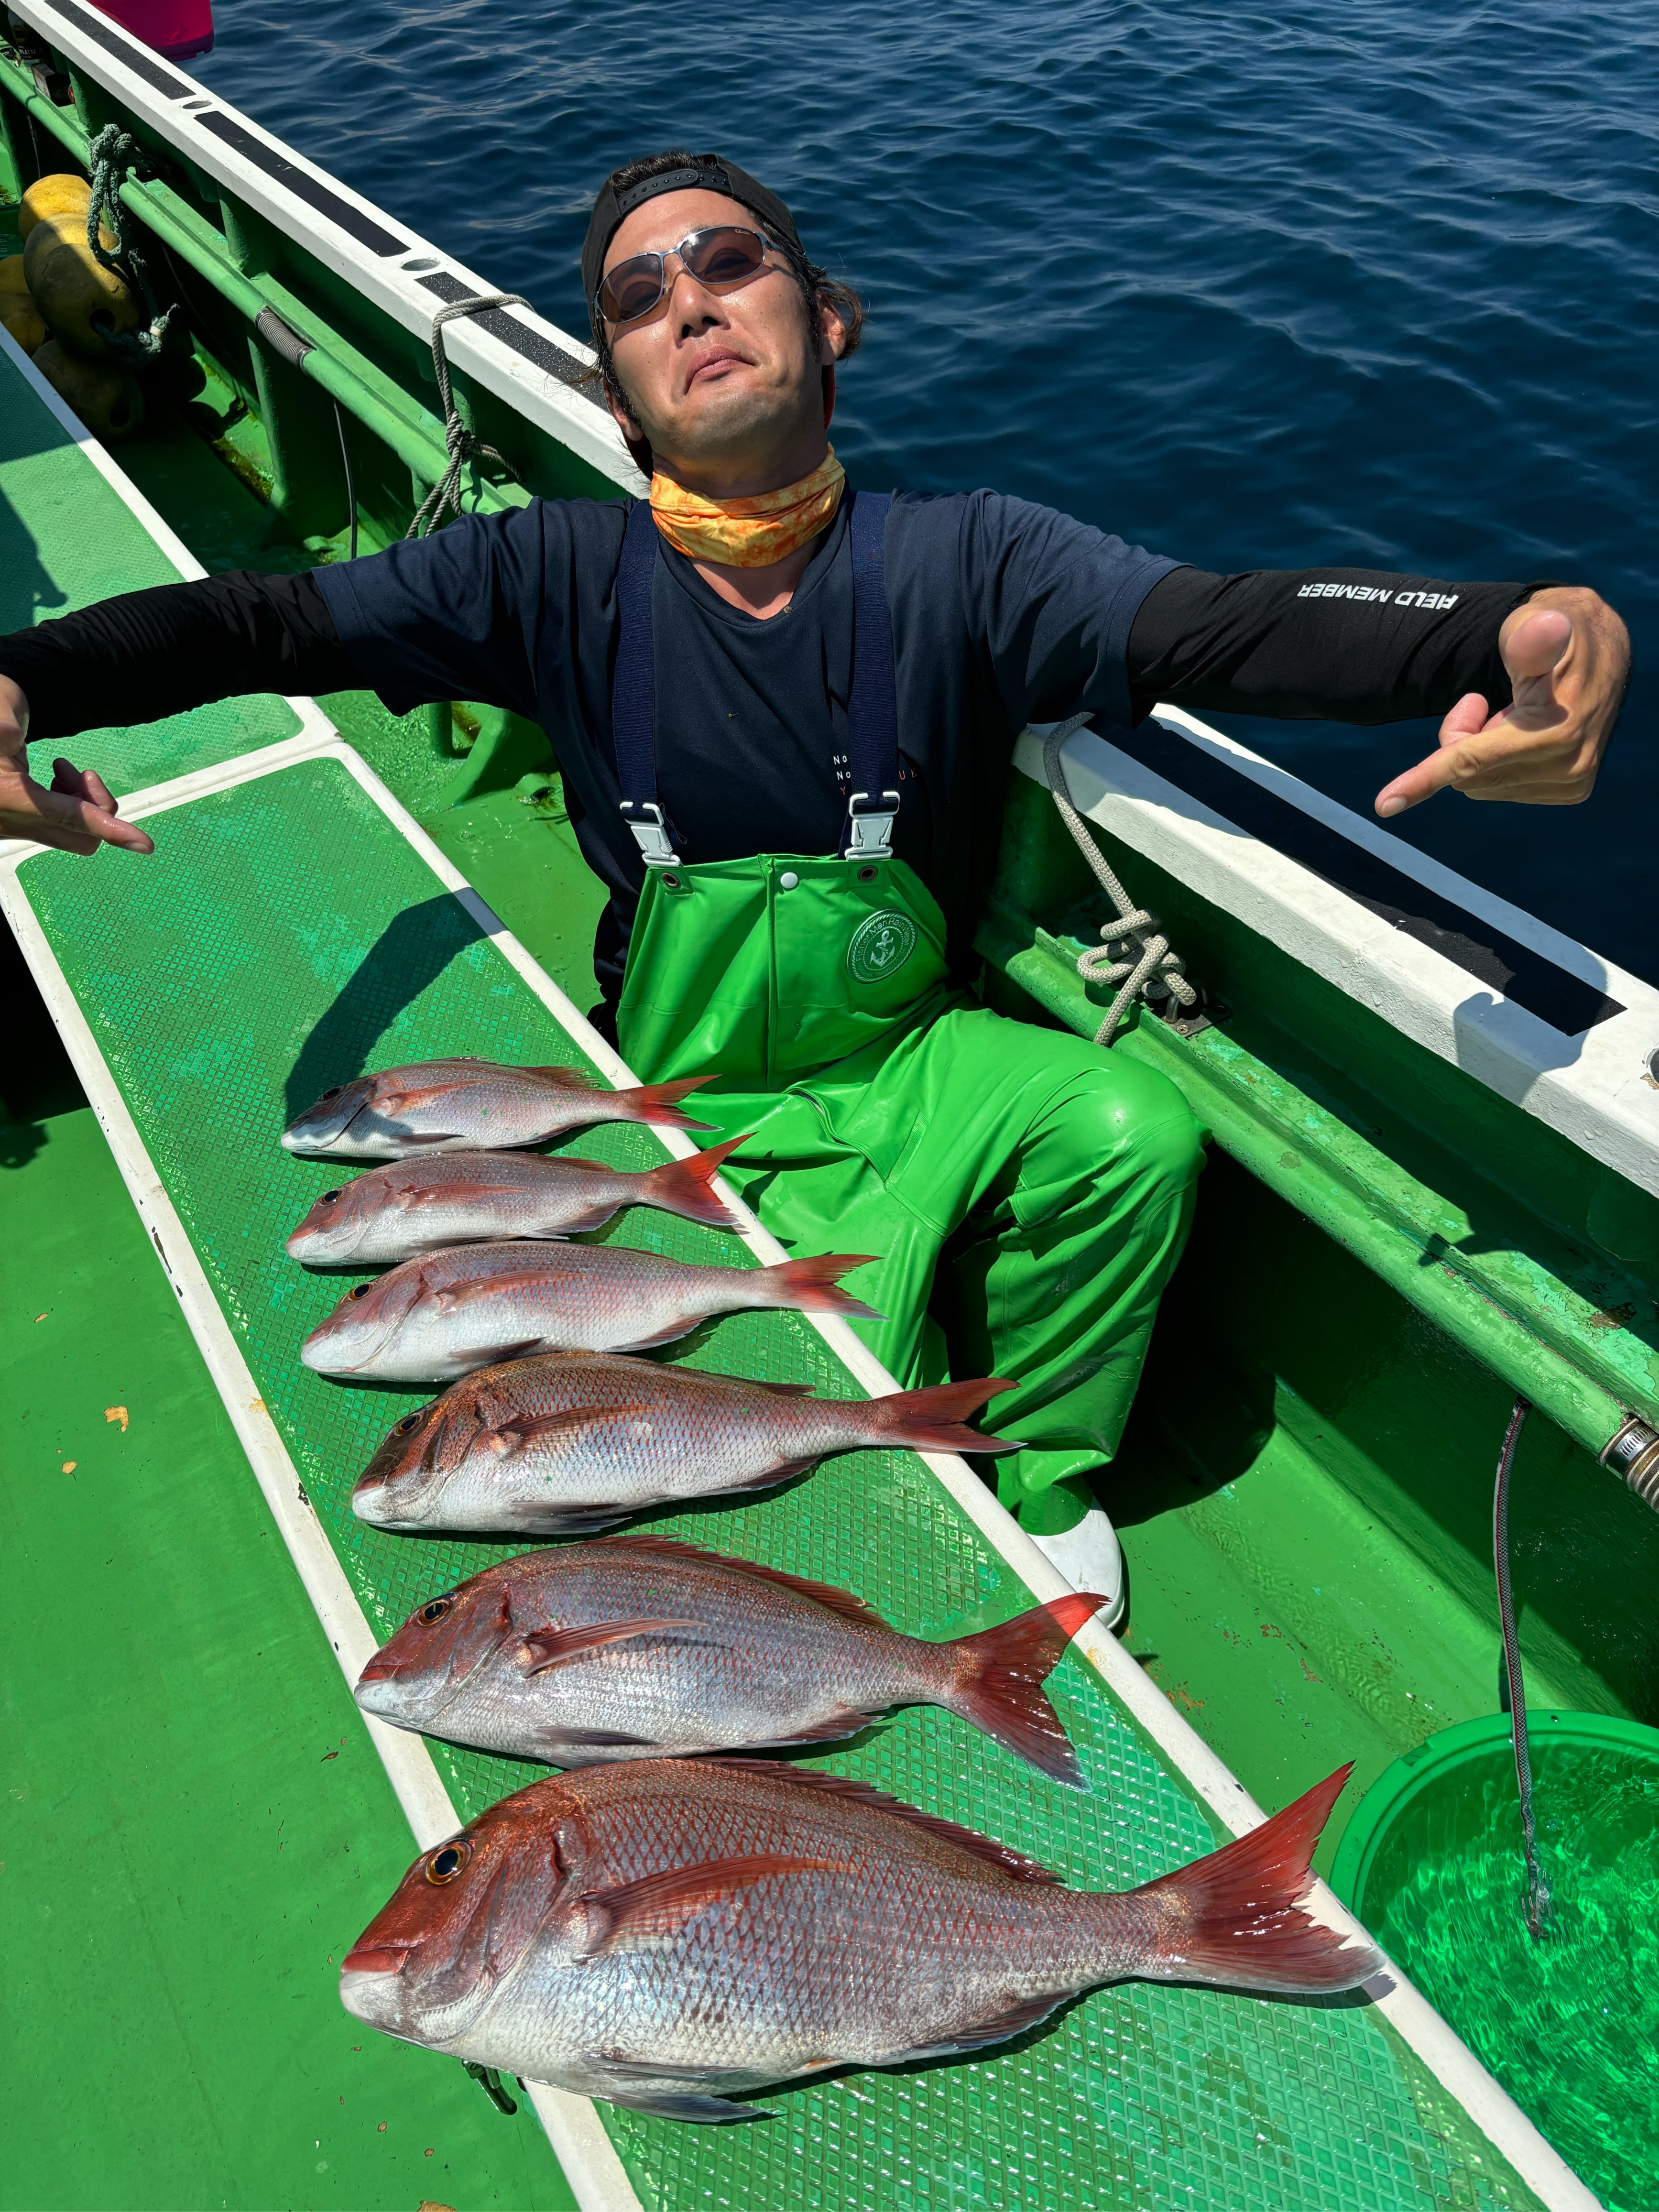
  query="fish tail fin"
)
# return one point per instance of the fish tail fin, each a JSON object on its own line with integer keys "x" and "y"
{"x": 658, "y": 1102}
{"x": 935, "y": 1420}
{"x": 998, "y": 1677}
{"x": 682, "y": 1186}
{"x": 811, "y": 1286}
{"x": 1235, "y": 1915}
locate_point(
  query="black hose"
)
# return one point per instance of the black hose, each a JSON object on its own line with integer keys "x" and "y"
{"x": 1537, "y": 1893}
{"x": 351, "y": 494}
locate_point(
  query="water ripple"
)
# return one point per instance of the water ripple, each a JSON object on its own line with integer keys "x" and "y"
{"x": 1372, "y": 285}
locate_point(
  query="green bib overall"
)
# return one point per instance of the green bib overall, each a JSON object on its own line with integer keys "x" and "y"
{"x": 1027, "y": 1193}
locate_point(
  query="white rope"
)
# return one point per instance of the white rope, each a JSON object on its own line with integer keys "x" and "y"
{"x": 1132, "y": 931}
{"x": 464, "y": 447}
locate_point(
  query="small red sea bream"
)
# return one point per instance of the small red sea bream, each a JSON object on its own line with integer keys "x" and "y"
{"x": 434, "y": 1319}
{"x": 560, "y": 1444}
{"x": 397, "y": 1212}
{"x": 635, "y": 1647}
{"x": 671, "y": 1934}
{"x": 470, "y": 1105}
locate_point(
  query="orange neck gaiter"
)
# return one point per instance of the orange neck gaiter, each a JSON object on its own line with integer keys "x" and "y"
{"x": 748, "y": 533}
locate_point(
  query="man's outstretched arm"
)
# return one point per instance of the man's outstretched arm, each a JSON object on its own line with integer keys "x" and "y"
{"x": 1528, "y": 677}
{"x": 134, "y": 659}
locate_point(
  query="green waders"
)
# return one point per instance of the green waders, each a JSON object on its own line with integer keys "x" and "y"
{"x": 1028, "y": 1194}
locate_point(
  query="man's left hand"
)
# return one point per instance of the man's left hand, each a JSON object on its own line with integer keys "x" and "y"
{"x": 1568, "y": 655}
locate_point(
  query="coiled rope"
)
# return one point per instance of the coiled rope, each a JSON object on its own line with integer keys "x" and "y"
{"x": 1135, "y": 952}
{"x": 463, "y": 446}
{"x": 110, "y": 155}
{"x": 1538, "y": 1890}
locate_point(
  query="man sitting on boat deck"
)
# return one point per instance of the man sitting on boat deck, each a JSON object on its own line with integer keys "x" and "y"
{"x": 784, "y": 714}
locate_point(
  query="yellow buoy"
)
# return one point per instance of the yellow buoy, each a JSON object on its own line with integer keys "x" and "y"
{"x": 104, "y": 394}
{"x": 22, "y": 319}
{"x": 82, "y": 301}
{"x": 12, "y": 278}
{"x": 51, "y": 195}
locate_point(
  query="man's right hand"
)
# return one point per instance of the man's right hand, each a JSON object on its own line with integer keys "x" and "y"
{"x": 76, "y": 815}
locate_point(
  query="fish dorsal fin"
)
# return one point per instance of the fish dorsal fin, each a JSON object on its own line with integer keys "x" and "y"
{"x": 825, "y": 1593}
{"x": 1001, "y": 1856}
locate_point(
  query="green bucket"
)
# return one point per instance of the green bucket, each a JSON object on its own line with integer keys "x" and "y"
{"x": 1432, "y": 1863}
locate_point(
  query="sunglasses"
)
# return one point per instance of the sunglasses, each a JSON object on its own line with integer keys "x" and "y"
{"x": 724, "y": 254}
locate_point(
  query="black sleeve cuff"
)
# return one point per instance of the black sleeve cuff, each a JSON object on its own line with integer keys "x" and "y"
{"x": 1339, "y": 645}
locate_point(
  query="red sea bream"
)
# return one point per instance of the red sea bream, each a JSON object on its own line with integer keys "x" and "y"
{"x": 670, "y": 1935}
{"x": 435, "y": 1318}
{"x": 567, "y": 1441}
{"x": 414, "y": 1207}
{"x": 636, "y": 1646}
{"x": 466, "y": 1105}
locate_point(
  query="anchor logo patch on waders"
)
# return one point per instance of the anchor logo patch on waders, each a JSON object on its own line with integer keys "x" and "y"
{"x": 881, "y": 944}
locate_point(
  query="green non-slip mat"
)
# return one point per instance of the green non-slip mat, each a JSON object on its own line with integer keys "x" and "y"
{"x": 190, "y": 1811}
{"x": 68, "y": 540}
{"x": 285, "y": 937}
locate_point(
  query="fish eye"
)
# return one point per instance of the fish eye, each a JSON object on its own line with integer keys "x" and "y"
{"x": 409, "y": 1421}
{"x": 435, "y": 1610}
{"x": 335, "y": 1093}
{"x": 360, "y": 1291}
{"x": 444, "y": 1864}
{"x": 328, "y": 1198}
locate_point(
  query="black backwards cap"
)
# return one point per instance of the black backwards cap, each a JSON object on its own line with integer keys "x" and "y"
{"x": 702, "y": 173}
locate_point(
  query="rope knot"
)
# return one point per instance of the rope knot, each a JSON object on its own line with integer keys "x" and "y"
{"x": 463, "y": 446}
{"x": 1135, "y": 953}
{"x": 110, "y": 155}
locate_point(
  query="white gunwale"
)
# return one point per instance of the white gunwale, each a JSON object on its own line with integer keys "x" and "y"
{"x": 573, "y": 2127}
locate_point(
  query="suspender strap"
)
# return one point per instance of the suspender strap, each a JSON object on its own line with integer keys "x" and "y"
{"x": 634, "y": 690}
{"x": 872, "y": 709}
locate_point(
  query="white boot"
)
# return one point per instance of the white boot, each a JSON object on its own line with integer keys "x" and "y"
{"x": 1091, "y": 1559}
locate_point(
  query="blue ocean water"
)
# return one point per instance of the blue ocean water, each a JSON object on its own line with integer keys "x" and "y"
{"x": 1258, "y": 287}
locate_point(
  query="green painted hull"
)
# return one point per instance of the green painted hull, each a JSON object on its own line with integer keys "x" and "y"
{"x": 1386, "y": 1251}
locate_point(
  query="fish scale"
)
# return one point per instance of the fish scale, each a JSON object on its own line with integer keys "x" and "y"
{"x": 555, "y": 1443}
{"x": 636, "y": 1646}
{"x": 415, "y": 1207}
{"x": 436, "y": 1318}
{"x": 665, "y": 1935}
{"x": 459, "y": 1105}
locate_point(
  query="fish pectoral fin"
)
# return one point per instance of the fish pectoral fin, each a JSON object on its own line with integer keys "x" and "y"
{"x": 661, "y": 1903}
{"x": 549, "y": 1647}
{"x": 491, "y": 1287}
{"x": 430, "y": 1137}
{"x": 459, "y": 1193}
{"x": 785, "y": 1390}
{"x": 400, "y": 1102}
{"x": 1014, "y": 2021}
{"x": 572, "y": 1423}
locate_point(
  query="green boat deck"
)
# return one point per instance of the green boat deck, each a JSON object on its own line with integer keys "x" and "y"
{"x": 191, "y": 1788}
{"x": 197, "y": 1820}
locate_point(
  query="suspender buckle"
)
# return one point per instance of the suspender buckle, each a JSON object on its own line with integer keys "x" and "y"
{"x": 871, "y": 820}
{"x": 644, "y": 817}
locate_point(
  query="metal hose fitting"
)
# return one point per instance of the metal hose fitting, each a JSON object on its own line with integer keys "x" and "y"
{"x": 1633, "y": 1453}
